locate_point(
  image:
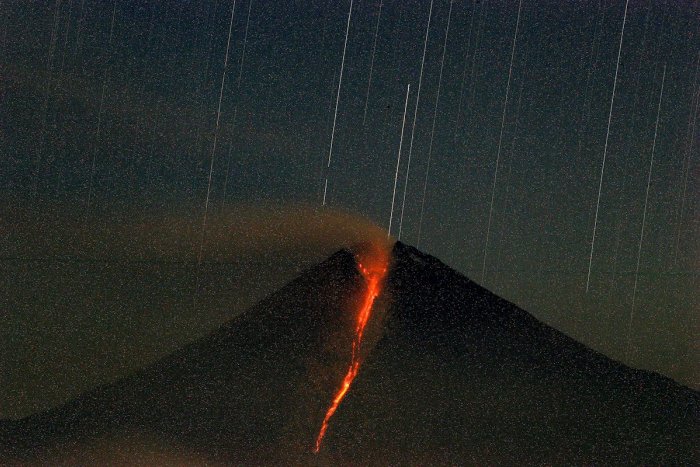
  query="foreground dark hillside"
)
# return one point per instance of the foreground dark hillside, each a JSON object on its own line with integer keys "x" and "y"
{"x": 451, "y": 374}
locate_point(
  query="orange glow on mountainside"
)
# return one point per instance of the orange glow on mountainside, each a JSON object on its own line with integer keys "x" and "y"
{"x": 373, "y": 267}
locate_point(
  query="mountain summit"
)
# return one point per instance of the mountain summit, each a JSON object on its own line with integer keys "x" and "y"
{"x": 447, "y": 373}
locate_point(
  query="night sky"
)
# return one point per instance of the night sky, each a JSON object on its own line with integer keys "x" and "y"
{"x": 129, "y": 123}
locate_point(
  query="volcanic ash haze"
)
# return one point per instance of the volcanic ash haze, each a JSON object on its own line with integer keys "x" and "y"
{"x": 449, "y": 374}
{"x": 86, "y": 303}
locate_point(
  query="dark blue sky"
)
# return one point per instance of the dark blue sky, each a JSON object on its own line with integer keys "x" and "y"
{"x": 161, "y": 78}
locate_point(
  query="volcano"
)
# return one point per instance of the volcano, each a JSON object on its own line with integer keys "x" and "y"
{"x": 447, "y": 373}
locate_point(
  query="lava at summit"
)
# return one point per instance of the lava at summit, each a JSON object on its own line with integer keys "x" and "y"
{"x": 372, "y": 265}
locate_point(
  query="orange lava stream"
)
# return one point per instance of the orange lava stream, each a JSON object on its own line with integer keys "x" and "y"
{"x": 373, "y": 274}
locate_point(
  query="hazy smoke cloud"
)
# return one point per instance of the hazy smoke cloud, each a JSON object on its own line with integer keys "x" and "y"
{"x": 87, "y": 302}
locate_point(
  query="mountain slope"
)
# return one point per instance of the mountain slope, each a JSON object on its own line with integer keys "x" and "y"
{"x": 462, "y": 374}
{"x": 451, "y": 374}
{"x": 235, "y": 393}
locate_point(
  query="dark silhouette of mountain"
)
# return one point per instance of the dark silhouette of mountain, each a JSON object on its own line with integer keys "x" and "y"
{"x": 452, "y": 374}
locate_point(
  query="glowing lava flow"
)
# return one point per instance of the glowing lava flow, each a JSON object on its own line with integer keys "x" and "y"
{"x": 373, "y": 270}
